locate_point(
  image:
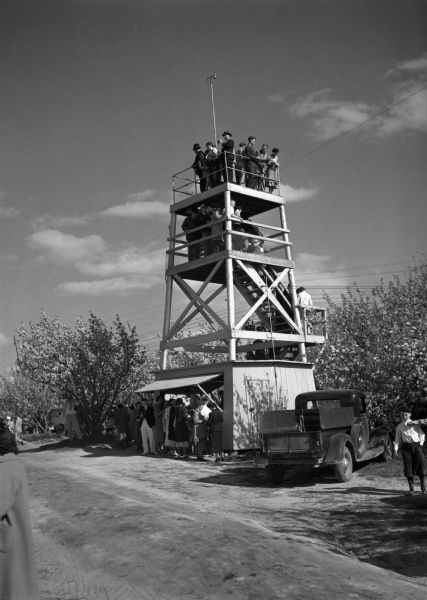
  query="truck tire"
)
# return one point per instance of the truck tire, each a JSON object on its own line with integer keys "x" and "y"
{"x": 275, "y": 473}
{"x": 358, "y": 435}
{"x": 344, "y": 469}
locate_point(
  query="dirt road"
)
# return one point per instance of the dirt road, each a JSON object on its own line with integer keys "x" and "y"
{"x": 114, "y": 525}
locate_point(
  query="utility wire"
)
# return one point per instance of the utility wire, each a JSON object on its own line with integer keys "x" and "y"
{"x": 348, "y": 131}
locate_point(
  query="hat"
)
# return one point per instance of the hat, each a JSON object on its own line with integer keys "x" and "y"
{"x": 196, "y": 146}
{"x": 227, "y": 133}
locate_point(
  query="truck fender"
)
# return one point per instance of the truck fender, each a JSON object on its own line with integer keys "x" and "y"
{"x": 335, "y": 451}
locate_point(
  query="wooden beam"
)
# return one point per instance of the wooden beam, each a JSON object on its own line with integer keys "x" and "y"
{"x": 204, "y": 308}
{"x": 177, "y": 324}
{"x": 197, "y": 339}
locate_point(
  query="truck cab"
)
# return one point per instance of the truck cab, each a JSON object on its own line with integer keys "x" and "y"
{"x": 326, "y": 428}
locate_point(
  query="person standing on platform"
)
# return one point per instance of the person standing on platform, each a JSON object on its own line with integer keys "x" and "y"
{"x": 273, "y": 170}
{"x": 240, "y": 168}
{"x": 212, "y": 161}
{"x": 251, "y": 163}
{"x": 200, "y": 167}
{"x": 227, "y": 156}
{"x": 190, "y": 222}
{"x": 203, "y": 218}
{"x": 263, "y": 158}
{"x": 303, "y": 297}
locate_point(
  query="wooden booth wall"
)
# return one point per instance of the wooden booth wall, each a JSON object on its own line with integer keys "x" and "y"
{"x": 258, "y": 386}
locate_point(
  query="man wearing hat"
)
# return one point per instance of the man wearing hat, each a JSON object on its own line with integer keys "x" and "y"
{"x": 410, "y": 439}
{"x": 251, "y": 163}
{"x": 200, "y": 167}
{"x": 227, "y": 156}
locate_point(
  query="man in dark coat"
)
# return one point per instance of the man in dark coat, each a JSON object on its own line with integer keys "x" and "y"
{"x": 251, "y": 164}
{"x": 240, "y": 163}
{"x": 200, "y": 167}
{"x": 227, "y": 156}
{"x": 191, "y": 221}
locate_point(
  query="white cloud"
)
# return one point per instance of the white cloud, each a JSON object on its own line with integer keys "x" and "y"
{"x": 276, "y": 98}
{"x": 297, "y": 194}
{"x": 127, "y": 261}
{"x": 406, "y": 98}
{"x": 5, "y": 258}
{"x": 56, "y": 221}
{"x": 320, "y": 272}
{"x": 4, "y": 340}
{"x": 414, "y": 66}
{"x": 409, "y": 112}
{"x": 330, "y": 118}
{"x": 7, "y": 212}
{"x": 113, "y": 286}
{"x": 113, "y": 270}
{"x": 141, "y": 205}
{"x": 63, "y": 248}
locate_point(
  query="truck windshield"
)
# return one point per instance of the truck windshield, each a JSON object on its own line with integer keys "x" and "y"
{"x": 325, "y": 403}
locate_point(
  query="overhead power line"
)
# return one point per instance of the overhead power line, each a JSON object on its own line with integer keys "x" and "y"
{"x": 348, "y": 131}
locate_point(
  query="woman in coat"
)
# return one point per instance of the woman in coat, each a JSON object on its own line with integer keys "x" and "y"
{"x": 18, "y": 579}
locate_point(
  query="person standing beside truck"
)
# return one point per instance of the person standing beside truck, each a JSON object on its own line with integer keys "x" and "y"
{"x": 410, "y": 439}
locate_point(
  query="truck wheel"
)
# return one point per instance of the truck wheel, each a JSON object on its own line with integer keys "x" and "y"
{"x": 387, "y": 455}
{"x": 275, "y": 474}
{"x": 344, "y": 469}
{"x": 359, "y": 439}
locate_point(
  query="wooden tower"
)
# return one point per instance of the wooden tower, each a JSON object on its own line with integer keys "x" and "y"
{"x": 231, "y": 295}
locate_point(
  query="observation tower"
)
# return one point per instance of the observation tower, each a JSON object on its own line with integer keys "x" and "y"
{"x": 231, "y": 295}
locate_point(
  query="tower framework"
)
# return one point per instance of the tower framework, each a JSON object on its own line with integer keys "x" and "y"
{"x": 231, "y": 295}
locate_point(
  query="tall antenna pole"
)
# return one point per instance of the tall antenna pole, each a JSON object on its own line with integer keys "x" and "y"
{"x": 210, "y": 81}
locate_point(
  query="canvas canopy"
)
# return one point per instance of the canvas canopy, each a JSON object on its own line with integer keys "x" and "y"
{"x": 181, "y": 383}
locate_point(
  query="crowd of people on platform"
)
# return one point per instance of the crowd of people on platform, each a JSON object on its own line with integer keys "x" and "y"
{"x": 179, "y": 426}
{"x": 257, "y": 169}
{"x": 208, "y": 222}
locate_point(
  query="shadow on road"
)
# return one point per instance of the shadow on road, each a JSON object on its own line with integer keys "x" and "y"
{"x": 254, "y": 476}
{"x": 377, "y": 525}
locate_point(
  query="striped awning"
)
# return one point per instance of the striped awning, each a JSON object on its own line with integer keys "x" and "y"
{"x": 181, "y": 383}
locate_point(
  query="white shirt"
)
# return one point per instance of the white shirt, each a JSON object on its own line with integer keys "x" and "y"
{"x": 408, "y": 433}
{"x": 205, "y": 411}
{"x": 304, "y": 299}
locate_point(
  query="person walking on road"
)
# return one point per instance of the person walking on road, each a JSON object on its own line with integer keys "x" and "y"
{"x": 18, "y": 574}
{"x": 410, "y": 439}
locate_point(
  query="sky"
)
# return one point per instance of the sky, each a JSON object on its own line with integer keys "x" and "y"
{"x": 101, "y": 102}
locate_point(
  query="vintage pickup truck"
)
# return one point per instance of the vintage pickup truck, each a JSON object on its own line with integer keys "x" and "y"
{"x": 327, "y": 428}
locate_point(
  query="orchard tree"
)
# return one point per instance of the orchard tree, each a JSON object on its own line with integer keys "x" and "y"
{"x": 21, "y": 396}
{"x": 377, "y": 343}
{"x": 91, "y": 363}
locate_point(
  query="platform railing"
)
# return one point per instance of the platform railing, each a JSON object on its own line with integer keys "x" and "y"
{"x": 228, "y": 167}
{"x": 199, "y": 242}
{"x": 313, "y": 320}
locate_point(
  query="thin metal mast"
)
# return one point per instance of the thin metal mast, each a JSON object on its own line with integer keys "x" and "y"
{"x": 210, "y": 81}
